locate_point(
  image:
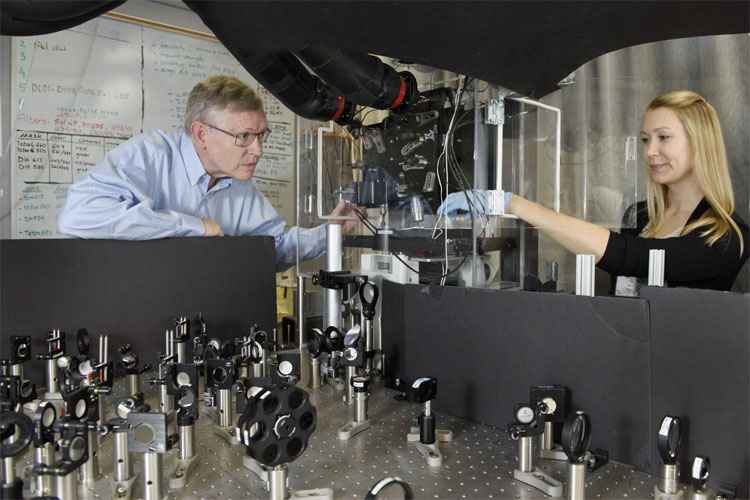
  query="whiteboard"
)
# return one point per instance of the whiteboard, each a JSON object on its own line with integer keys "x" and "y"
{"x": 78, "y": 93}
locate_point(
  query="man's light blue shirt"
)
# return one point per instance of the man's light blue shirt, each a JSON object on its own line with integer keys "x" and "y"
{"x": 155, "y": 186}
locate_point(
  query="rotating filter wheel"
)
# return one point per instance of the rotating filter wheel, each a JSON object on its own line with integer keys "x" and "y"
{"x": 277, "y": 424}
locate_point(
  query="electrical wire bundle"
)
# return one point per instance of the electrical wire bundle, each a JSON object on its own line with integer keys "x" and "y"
{"x": 450, "y": 162}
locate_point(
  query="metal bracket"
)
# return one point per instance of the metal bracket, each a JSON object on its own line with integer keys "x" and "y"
{"x": 122, "y": 490}
{"x": 660, "y": 495}
{"x": 147, "y": 433}
{"x": 353, "y": 428}
{"x": 227, "y": 433}
{"x": 336, "y": 383}
{"x": 441, "y": 435}
{"x": 540, "y": 481}
{"x": 495, "y": 112}
{"x": 182, "y": 469}
{"x": 319, "y": 494}
{"x": 556, "y": 453}
{"x": 254, "y": 466}
{"x": 431, "y": 452}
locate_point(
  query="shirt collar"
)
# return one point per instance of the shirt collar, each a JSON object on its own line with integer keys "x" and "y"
{"x": 196, "y": 172}
{"x": 193, "y": 164}
{"x": 703, "y": 205}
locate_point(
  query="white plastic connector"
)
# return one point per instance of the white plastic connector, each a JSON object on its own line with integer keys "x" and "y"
{"x": 495, "y": 202}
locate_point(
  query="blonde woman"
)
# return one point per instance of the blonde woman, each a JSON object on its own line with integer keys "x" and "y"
{"x": 689, "y": 211}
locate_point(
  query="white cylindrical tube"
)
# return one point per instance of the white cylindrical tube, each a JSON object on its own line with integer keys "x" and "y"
{"x": 101, "y": 402}
{"x": 52, "y": 385}
{"x": 368, "y": 344}
{"x": 90, "y": 469}
{"x": 17, "y": 370}
{"x": 314, "y": 373}
{"x": 526, "y": 454}
{"x": 416, "y": 209}
{"x": 301, "y": 313}
{"x": 224, "y": 403}
{"x": 103, "y": 344}
{"x": 351, "y": 371}
{"x": 277, "y": 483}
{"x": 656, "y": 267}
{"x": 333, "y": 263}
{"x": 181, "y": 352}
{"x": 263, "y": 363}
{"x": 576, "y": 482}
{"x": 585, "y": 275}
{"x": 187, "y": 441}
{"x": 9, "y": 470}
{"x": 546, "y": 443}
{"x": 360, "y": 406}
{"x": 165, "y": 401}
{"x": 669, "y": 478}
{"x": 65, "y": 487}
{"x": 132, "y": 383}
{"x": 152, "y": 483}
{"x": 44, "y": 455}
{"x": 121, "y": 456}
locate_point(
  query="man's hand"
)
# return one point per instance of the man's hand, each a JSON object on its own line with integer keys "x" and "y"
{"x": 211, "y": 228}
{"x": 346, "y": 208}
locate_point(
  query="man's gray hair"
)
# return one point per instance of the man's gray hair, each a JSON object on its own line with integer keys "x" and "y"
{"x": 217, "y": 94}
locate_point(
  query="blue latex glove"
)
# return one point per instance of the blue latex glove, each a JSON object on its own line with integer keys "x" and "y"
{"x": 457, "y": 201}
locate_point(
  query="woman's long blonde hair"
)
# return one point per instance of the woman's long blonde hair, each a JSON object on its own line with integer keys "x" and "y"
{"x": 709, "y": 168}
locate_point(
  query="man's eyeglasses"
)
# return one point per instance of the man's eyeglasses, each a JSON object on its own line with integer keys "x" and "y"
{"x": 246, "y": 139}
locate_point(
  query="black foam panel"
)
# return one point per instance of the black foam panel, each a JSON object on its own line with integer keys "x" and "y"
{"x": 132, "y": 290}
{"x": 700, "y": 344}
{"x": 392, "y": 329}
{"x": 487, "y": 348}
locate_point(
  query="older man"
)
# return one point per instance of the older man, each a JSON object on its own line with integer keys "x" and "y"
{"x": 191, "y": 183}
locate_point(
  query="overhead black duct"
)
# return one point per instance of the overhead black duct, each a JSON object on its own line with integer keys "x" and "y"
{"x": 280, "y": 72}
{"x": 361, "y": 78}
{"x": 287, "y": 79}
{"x": 283, "y": 75}
{"x": 40, "y": 17}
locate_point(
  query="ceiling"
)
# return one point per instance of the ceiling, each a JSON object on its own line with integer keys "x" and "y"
{"x": 524, "y": 46}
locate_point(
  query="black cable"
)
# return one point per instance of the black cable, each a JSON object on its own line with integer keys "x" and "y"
{"x": 365, "y": 115}
{"x": 366, "y": 222}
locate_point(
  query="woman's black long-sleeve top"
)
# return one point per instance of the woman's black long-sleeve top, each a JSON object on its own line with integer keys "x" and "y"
{"x": 688, "y": 261}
